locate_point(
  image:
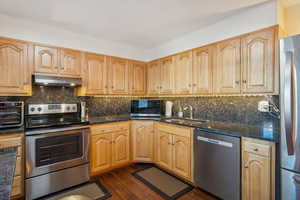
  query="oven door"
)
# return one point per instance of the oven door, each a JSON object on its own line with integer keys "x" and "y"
{"x": 54, "y": 151}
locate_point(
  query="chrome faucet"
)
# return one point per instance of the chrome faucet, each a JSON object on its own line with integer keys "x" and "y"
{"x": 191, "y": 110}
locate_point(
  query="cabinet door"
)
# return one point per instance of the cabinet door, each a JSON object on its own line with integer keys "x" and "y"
{"x": 256, "y": 177}
{"x": 13, "y": 67}
{"x": 258, "y": 62}
{"x": 167, "y": 75}
{"x": 142, "y": 140}
{"x": 202, "y": 70}
{"x": 153, "y": 78}
{"x": 120, "y": 147}
{"x": 227, "y": 72}
{"x": 164, "y": 149}
{"x": 70, "y": 62}
{"x": 138, "y": 78}
{"x": 100, "y": 152}
{"x": 182, "y": 156}
{"x": 45, "y": 60}
{"x": 183, "y": 73}
{"x": 118, "y": 74}
{"x": 96, "y": 74}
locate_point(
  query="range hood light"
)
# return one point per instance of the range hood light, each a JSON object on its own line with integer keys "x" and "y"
{"x": 72, "y": 84}
{"x": 46, "y": 83}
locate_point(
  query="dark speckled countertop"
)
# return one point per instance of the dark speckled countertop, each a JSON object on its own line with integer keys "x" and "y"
{"x": 266, "y": 131}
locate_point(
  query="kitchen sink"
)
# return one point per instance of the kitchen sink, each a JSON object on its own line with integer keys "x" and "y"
{"x": 192, "y": 122}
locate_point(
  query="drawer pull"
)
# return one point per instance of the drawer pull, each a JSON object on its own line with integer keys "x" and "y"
{"x": 256, "y": 149}
{"x": 246, "y": 166}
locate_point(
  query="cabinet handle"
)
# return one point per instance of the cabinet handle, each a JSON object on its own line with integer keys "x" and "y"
{"x": 194, "y": 84}
{"x": 246, "y": 166}
{"x": 190, "y": 85}
{"x": 244, "y": 81}
{"x": 256, "y": 149}
{"x": 237, "y": 82}
{"x": 106, "y": 87}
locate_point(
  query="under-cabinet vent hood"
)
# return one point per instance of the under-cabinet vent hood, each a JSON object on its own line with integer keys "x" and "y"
{"x": 56, "y": 81}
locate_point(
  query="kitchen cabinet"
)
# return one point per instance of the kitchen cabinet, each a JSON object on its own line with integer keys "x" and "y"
{"x": 137, "y": 78}
{"x": 118, "y": 75}
{"x": 167, "y": 71}
{"x": 101, "y": 152}
{"x": 258, "y": 62}
{"x": 16, "y": 140}
{"x": 70, "y": 62}
{"x": 15, "y": 66}
{"x": 109, "y": 146}
{"x": 227, "y": 72}
{"x": 120, "y": 147}
{"x": 258, "y": 169}
{"x": 153, "y": 78}
{"x": 95, "y": 76}
{"x": 57, "y": 61}
{"x": 203, "y": 70}
{"x": 174, "y": 147}
{"x": 142, "y": 133}
{"x": 183, "y": 72}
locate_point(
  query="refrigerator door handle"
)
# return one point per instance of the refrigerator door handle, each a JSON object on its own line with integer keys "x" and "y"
{"x": 288, "y": 103}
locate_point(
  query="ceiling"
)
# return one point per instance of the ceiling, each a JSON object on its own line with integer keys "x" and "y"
{"x": 140, "y": 23}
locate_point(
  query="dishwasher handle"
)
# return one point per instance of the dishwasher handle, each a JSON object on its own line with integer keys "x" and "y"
{"x": 214, "y": 141}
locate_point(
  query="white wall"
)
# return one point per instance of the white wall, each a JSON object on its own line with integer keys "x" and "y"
{"x": 38, "y": 32}
{"x": 244, "y": 21}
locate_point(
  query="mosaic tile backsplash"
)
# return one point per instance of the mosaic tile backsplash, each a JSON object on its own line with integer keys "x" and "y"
{"x": 227, "y": 109}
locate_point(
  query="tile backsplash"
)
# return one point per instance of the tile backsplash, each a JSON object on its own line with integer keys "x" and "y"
{"x": 227, "y": 109}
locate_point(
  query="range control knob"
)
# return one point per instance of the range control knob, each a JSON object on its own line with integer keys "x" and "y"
{"x": 74, "y": 108}
{"x": 68, "y": 108}
{"x": 39, "y": 109}
{"x": 32, "y": 109}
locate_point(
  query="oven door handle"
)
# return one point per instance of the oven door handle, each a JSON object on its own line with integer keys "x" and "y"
{"x": 54, "y": 131}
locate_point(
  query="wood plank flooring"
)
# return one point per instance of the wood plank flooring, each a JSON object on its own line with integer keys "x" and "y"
{"x": 123, "y": 186}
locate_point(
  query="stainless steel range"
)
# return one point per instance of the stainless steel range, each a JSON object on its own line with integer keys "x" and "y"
{"x": 57, "y": 147}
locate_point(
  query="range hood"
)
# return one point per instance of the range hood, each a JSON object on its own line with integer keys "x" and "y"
{"x": 56, "y": 81}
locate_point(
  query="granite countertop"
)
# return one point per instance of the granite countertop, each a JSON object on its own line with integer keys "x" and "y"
{"x": 266, "y": 131}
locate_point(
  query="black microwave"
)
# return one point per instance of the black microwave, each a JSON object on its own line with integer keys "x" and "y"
{"x": 145, "y": 108}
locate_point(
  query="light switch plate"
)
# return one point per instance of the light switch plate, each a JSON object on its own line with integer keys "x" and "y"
{"x": 263, "y": 106}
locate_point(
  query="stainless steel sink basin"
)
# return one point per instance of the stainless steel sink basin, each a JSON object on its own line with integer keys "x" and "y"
{"x": 191, "y": 122}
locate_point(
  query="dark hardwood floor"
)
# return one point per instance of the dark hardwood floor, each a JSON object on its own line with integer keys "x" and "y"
{"x": 123, "y": 186}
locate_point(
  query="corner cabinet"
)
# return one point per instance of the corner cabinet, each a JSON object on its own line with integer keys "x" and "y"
{"x": 15, "y": 67}
{"x": 142, "y": 140}
{"x": 57, "y": 61}
{"x": 258, "y": 169}
{"x": 174, "y": 149}
{"x": 109, "y": 146}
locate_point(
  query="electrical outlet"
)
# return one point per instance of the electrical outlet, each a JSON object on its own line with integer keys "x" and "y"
{"x": 263, "y": 106}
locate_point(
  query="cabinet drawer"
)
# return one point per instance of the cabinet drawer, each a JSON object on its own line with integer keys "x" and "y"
{"x": 260, "y": 149}
{"x": 111, "y": 127}
{"x": 18, "y": 166}
{"x": 10, "y": 142}
{"x": 16, "y": 186}
{"x": 175, "y": 130}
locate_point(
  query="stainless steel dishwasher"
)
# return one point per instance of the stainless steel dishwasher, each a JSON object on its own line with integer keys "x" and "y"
{"x": 217, "y": 164}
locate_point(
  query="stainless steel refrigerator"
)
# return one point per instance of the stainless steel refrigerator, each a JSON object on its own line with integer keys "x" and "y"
{"x": 290, "y": 119}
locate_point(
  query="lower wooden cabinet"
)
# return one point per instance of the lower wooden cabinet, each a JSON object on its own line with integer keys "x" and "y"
{"x": 142, "y": 136}
{"x": 173, "y": 144}
{"x": 110, "y": 146}
{"x": 258, "y": 169}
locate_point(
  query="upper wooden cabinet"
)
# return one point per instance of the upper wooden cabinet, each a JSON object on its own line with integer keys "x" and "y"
{"x": 57, "y": 62}
{"x": 137, "y": 78}
{"x": 203, "y": 70}
{"x": 227, "y": 72}
{"x": 15, "y": 66}
{"x": 142, "y": 133}
{"x": 118, "y": 74}
{"x": 95, "y": 74}
{"x": 167, "y": 72}
{"x": 153, "y": 78}
{"x": 183, "y": 73}
{"x": 70, "y": 62}
{"x": 258, "y": 62}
